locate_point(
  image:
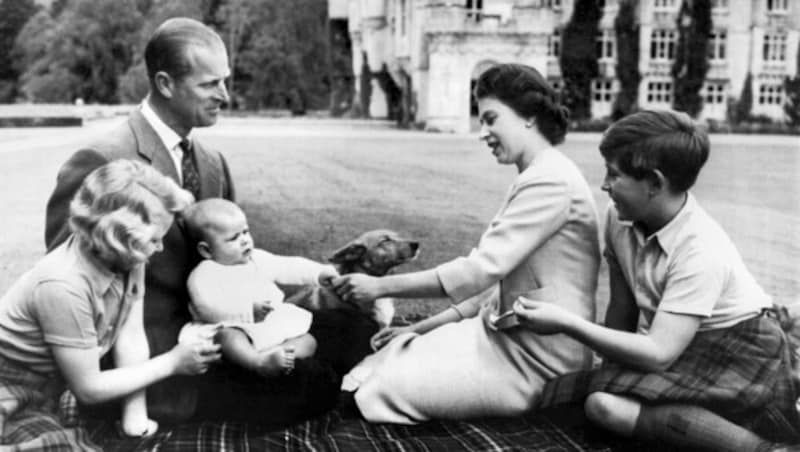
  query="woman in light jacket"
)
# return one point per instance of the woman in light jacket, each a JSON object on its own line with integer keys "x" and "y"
{"x": 543, "y": 242}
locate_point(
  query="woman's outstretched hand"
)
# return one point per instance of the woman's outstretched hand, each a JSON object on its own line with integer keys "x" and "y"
{"x": 542, "y": 317}
{"x": 385, "y": 335}
{"x": 194, "y": 358}
{"x": 357, "y": 288}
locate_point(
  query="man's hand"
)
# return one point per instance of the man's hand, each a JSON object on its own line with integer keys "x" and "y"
{"x": 260, "y": 310}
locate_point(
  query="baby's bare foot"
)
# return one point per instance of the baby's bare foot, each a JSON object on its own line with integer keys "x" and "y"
{"x": 139, "y": 428}
{"x": 275, "y": 361}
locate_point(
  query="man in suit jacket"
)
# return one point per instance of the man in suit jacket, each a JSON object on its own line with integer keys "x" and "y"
{"x": 187, "y": 66}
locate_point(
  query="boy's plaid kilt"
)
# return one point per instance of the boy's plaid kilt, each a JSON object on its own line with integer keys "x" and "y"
{"x": 742, "y": 373}
{"x": 29, "y": 419}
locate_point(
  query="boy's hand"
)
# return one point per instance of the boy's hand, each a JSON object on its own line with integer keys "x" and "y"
{"x": 260, "y": 310}
{"x": 542, "y": 317}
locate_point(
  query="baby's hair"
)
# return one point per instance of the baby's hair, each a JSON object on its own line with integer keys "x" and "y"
{"x": 115, "y": 205}
{"x": 664, "y": 140}
{"x": 203, "y": 217}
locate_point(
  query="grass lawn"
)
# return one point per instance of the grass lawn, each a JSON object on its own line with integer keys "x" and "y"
{"x": 309, "y": 186}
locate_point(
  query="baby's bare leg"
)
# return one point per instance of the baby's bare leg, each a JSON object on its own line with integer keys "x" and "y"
{"x": 236, "y": 347}
{"x": 304, "y": 346}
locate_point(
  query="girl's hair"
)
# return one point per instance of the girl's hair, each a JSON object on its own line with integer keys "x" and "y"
{"x": 116, "y": 204}
{"x": 526, "y": 92}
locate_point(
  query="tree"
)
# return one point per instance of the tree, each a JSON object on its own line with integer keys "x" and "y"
{"x": 627, "y": 31}
{"x": 283, "y": 60}
{"x": 13, "y": 16}
{"x": 739, "y": 109}
{"x": 340, "y": 67}
{"x": 578, "y": 60}
{"x": 81, "y": 53}
{"x": 691, "y": 61}
{"x": 791, "y": 86}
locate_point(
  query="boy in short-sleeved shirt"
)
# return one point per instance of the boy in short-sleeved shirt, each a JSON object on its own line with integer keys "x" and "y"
{"x": 693, "y": 354}
{"x": 689, "y": 266}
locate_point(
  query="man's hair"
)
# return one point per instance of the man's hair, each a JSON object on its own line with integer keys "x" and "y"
{"x": 664, "y": 140}
{"x": 204, "y": 218}
{"x": 524, "y": 90}
{"x": 167, "y": 49}
{"x": 114, "y": 207}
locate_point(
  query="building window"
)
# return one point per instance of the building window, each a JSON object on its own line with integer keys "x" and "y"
{"x": 606, "y": 44}
{"x": 713, "y": 93}
{"x": 770, "y": 94}
{"x": 602, "y": 90}
{"x": 662, "y": 44}
{"x": 716, "y": 45}
{"x": 774, "y": 47}
{"x": 553, "y": 4}
{"x": 659, "y": 92}
{"x": 474, "y": 9}
{"x": 554, "y": 44}
{"x": 665, "y": 5}
{"x": 777, "y": 6}
{"x": 719, "y": 4}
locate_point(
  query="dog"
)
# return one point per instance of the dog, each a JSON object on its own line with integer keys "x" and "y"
{"x": 374, "y": 253}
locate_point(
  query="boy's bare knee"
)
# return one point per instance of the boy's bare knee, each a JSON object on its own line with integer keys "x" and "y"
{"x": 613, "y": 412}
{"x": 597, "y": 407}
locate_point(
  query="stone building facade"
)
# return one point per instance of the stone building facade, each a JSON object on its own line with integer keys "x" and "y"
{"x": 431, "y": 52}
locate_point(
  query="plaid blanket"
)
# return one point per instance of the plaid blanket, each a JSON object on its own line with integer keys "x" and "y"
{"x": 743, "y": 373}
{"x": 332, "y": 432}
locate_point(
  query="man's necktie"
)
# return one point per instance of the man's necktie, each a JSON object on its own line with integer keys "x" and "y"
{"x": 191, "y": 178}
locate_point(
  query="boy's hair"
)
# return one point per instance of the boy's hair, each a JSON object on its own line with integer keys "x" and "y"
{"x": 202, "y": 219}
{"x": 115, "y": 205}
{"x": 664, "y": 140}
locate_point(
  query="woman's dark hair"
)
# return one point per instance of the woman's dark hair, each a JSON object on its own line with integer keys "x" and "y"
{"x": 526, "y": 92}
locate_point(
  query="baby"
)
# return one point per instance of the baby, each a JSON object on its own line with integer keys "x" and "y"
{"x": 235, "y": 288}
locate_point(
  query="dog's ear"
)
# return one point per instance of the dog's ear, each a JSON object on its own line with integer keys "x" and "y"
{"x": 348, "y": 253}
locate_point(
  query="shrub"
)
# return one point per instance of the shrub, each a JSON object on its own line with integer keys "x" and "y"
{"x": 578, "y": 60}
{"x": 627, "y": 31}
{"x": 691, "y": 61}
